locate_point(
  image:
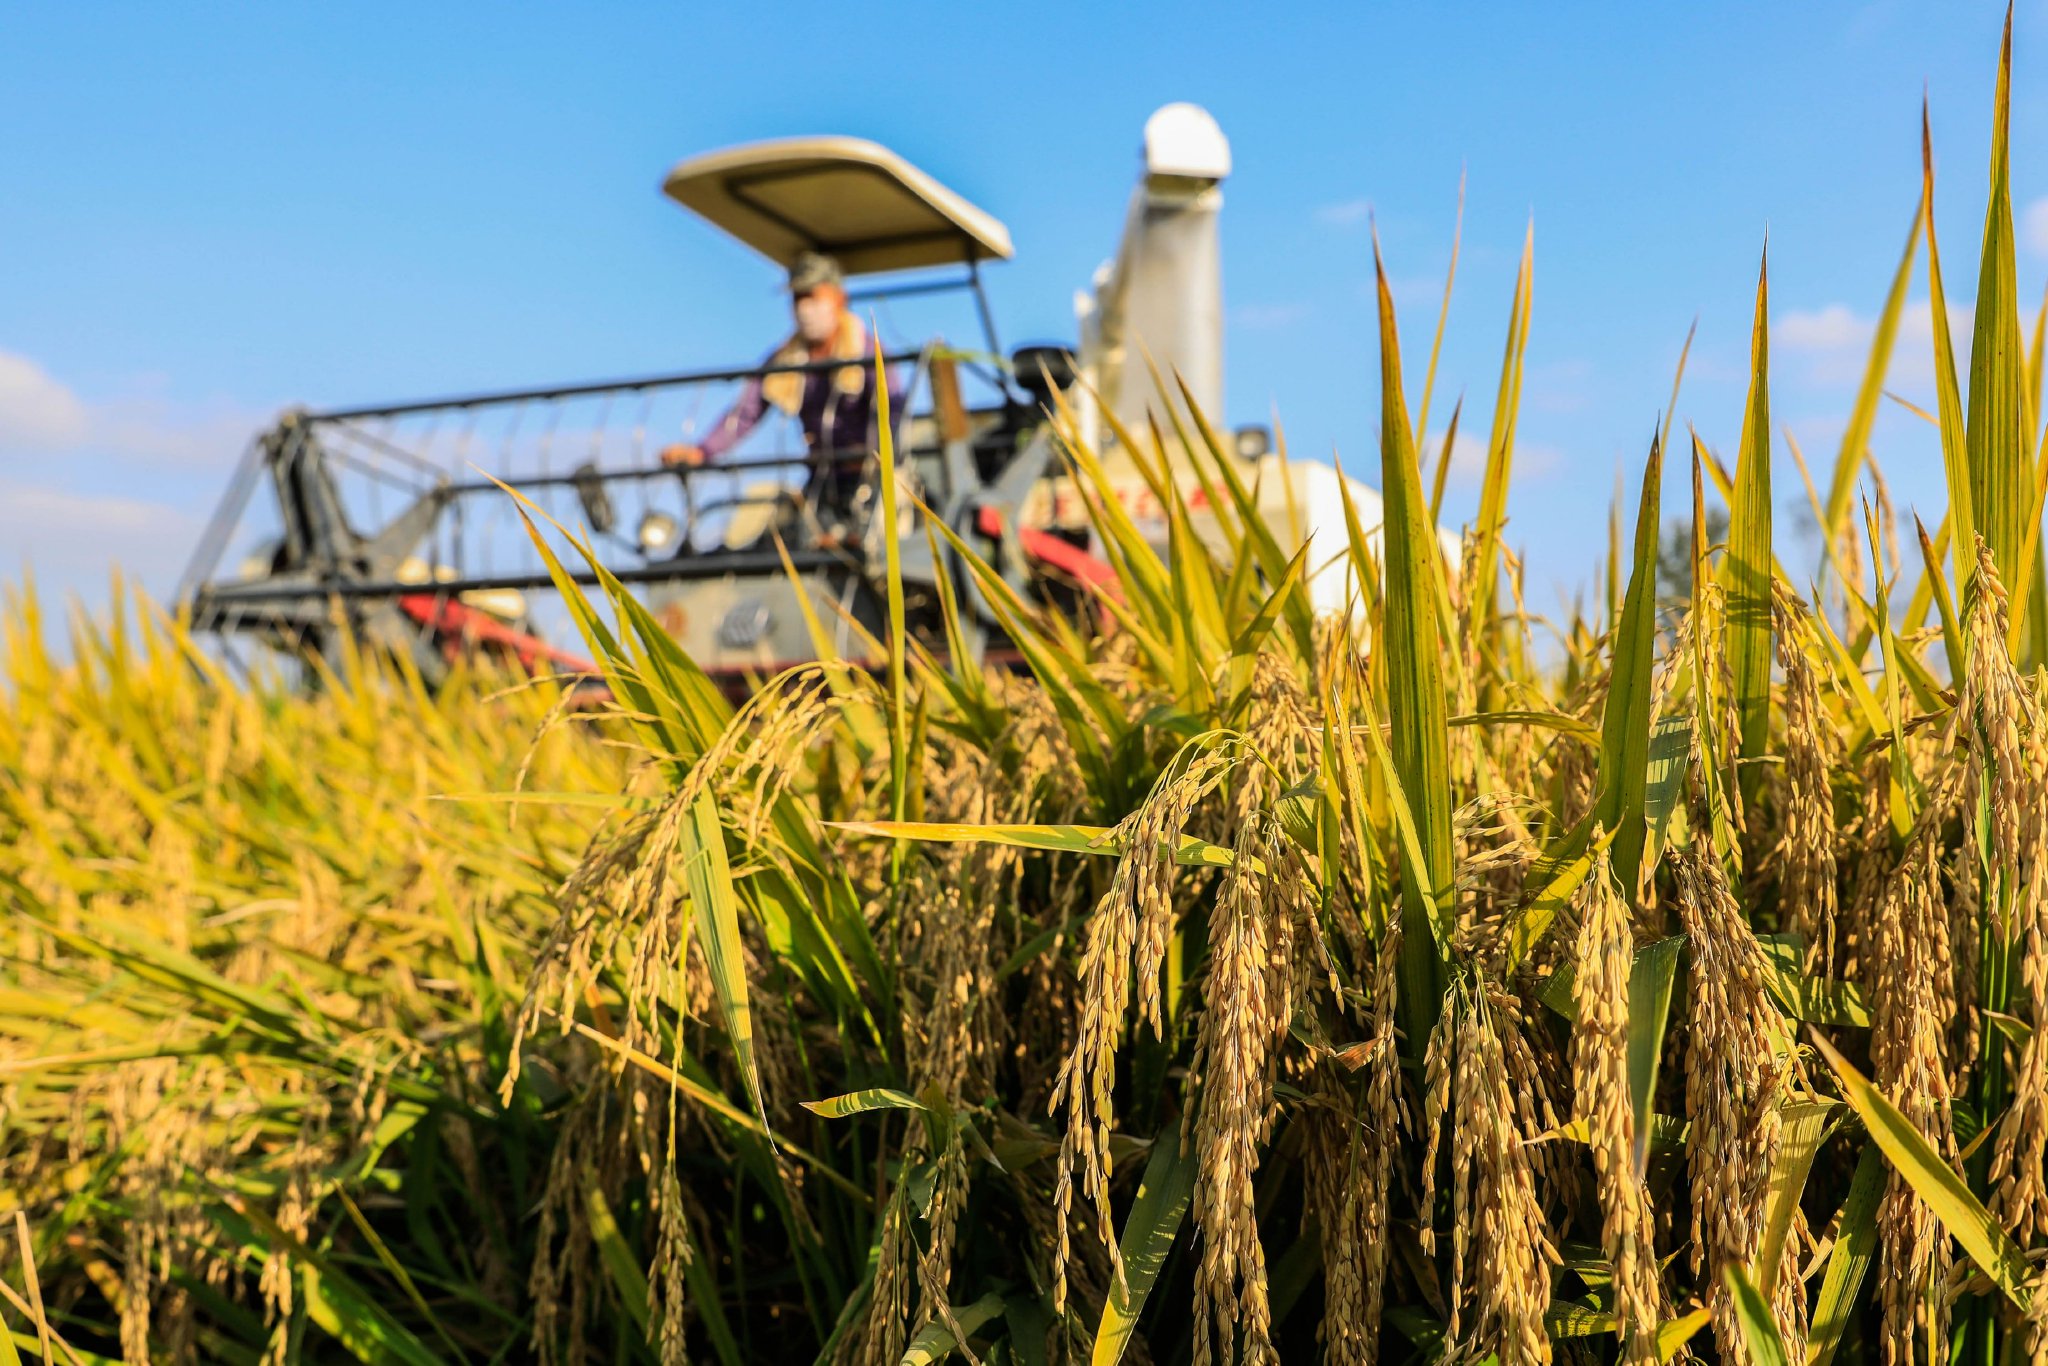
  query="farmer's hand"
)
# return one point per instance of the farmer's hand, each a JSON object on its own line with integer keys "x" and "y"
{"x": 680, "y": 454}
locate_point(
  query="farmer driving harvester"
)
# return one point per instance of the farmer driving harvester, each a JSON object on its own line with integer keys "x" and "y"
{"x": 834, "y": 406}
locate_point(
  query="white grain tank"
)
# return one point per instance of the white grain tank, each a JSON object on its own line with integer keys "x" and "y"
{"x": 1164, "y": 291}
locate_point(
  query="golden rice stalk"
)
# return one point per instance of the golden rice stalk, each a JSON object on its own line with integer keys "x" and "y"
{"x": 1805, "y": 854}
{"x": 1127, "y": 937}
{"x": 2003, "y": 725}
{"x": 1494, "y": 852}
{"x": 1354, "y": 1171}
{"x": 1494, "y": 1208}
{"x": 628, "y": 890}
{"x": 2020, "y": 1195}
{"x": 1512, "y": 1275}
{"x": 1233, "y": 1071}
{"x": 1600, "y": 1075}
{"x": 1966, "y": 945}
{"x": 1872, "y": 841}
{"x": 1335, "y": 1152}
{"x": 881, "y": 1341}
{"x": 1913, "y": 998}
{"x": 2001, "y": 719}
{"x": 673, "y": 1255}
{"x": 1736, "y": 1064}
{"x": 1385, "y": 1114}
{"x": 935, "y": 1258}
{"x": 564, "y": 1273}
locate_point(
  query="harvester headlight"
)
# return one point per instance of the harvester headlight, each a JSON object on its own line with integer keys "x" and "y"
{"x": 657, "y": 532}
{"x": 1253, "y": 442}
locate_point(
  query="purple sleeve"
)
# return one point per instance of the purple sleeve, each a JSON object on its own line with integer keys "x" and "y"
{"x": 741, "y": 418}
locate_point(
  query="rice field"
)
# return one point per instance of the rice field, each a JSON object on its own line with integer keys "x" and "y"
{"x": 1427, "y": 984}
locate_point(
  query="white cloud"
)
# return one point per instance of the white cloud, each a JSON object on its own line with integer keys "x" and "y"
{"x": 41, "y": 416}
{"x": 81, "y": 478}
{"x": 2034, "y": 226}
{"x": 1347, "y": 213}
{"x": 1835, "y": 341}
{"x": 35, "y": 408}
{"x": 1826, "y": 329}
{"x": 72, "y": 541}
{"x": 1468, "y": 453}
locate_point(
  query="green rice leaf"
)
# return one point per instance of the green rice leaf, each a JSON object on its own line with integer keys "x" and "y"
{"x": 1543, "y": 720}
{"x": 1673, "y": 1334}
{"x": 1933, "y": 1180}
{"x": 935, "y": 1341}
{"x": 1500, "y": 461}
{"x": 2001, "y": 474}
{"x": 1415, "y": 685}
{"x": 1649, "y": 1011}
{"x": 1747, "y": 572}
{"x": 1443, "y": 460}
{"x": 1149, "y": 1232}
{"x": 1804, "y": 1125}
{"x": 701, "y": 848}
{"x": 1753, "y": 1312}
{"x": 1664, "y": 783}
{"x": 1817, "y": 1000}
{"x": 1566, "y": 1320}
{"x": 1855, "y": 1250}
{"x": 1563, "y": 867}
{"x": 1625, "y": 725}
{"x": 1268, "y": 554}
{"x": 344, "y": 1310}
{"x": 1955, "y": 455}
{"x": 861, "y": 1102}
{"x": 1935, "y": 585}
{"x": 1405, "y": 828}
{"x": 621, "y": 1263}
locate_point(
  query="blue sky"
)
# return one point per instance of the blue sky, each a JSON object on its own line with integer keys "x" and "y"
{"x": 213, "y": 211}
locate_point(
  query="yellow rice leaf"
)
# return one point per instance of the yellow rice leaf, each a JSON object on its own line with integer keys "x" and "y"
{"x": 1058, "y": 839}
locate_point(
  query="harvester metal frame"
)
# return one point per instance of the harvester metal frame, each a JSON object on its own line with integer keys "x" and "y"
{"x": 328, "y": 579}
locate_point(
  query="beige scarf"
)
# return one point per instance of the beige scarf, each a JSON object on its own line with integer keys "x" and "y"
{"x": 786, "y": 391}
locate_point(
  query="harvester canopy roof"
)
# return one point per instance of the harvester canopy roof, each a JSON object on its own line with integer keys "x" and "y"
{"x": 848, "y": 197}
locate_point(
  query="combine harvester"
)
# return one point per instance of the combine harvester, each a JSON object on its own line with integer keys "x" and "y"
{"x": 374, "y": 521}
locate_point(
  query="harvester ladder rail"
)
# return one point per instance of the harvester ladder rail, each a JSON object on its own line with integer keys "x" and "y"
{"x": 562, "y": 391}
